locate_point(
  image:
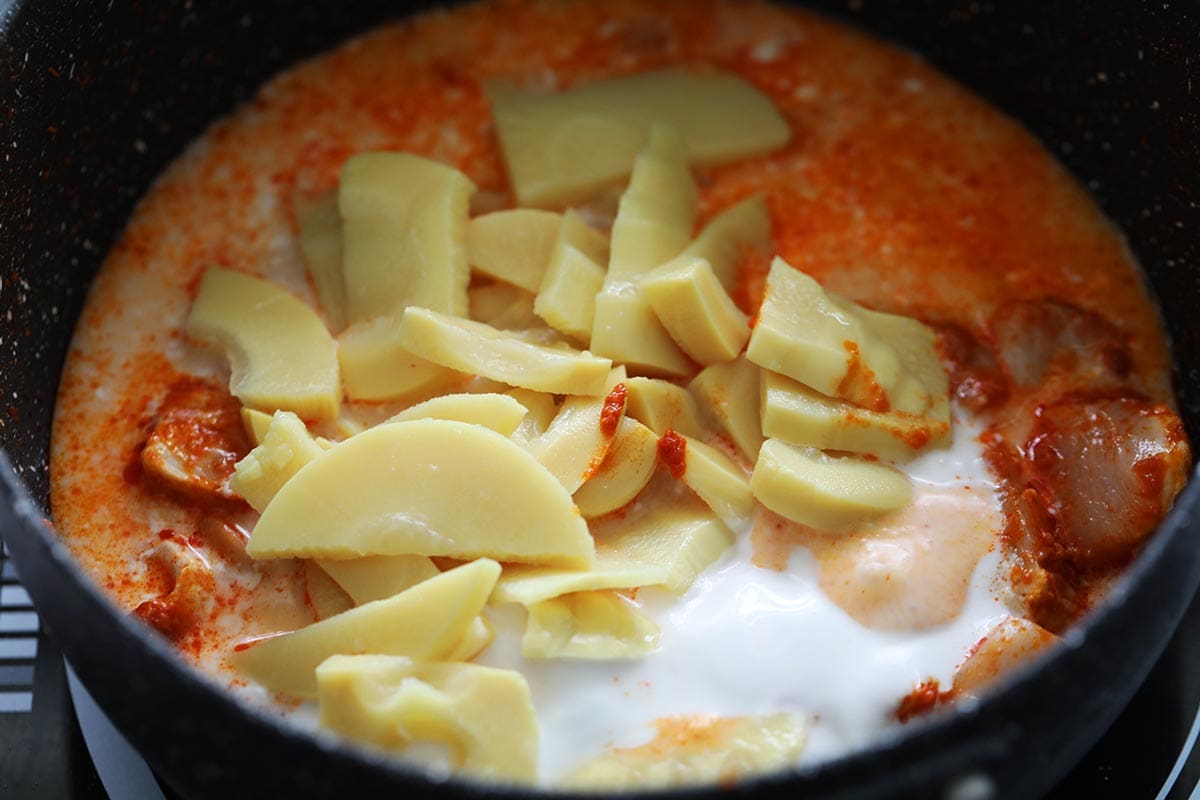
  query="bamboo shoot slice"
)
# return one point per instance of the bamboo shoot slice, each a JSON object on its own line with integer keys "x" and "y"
{"x": 624, "y": 472}
{"x": 513, "y": 245}
{"x": 320, "y": 240}
{"x": 673, "y": 529}
{"x": 719, "y": 482}
{"x": 542, "y": 409}
{"x": 661, "y": 406}
{"x": 714, "y": 750}
{"x": 286, "y": 448}
{"x": 323, "y": 593}
{"x": 576, "y": 443}
{"x": 561, "y": 147}
{"x": 280, "y": 354}
{"x": 399, "y": 489}
{"x": 425, "y": 623}
{"x": 657, "y": 210}
{"x": 256, "y": 423}
{"x": 795, "y": 413}
{"x": 404, "y": 231}
{"x": 653, "y": 225}
{"x": 479, "y": 349}
{"x": 376, "y": 367}
{"x": 566, "y": 300}
{"x": 699, "y": 315}
{"x": 373, "y": 578}
{"x": 483, "y": 716}
{"x": 508, "y": 308}
{"x": 613, "y": 570}
{"x": 728, "y": 394}
{"x": 822, "y": 491}
{"x": 727, "y": 236}
{"x": 363, "y": 580}
{"x": 588, "y": 625}
{"x": 625, "y": 329}
{"x": 498, "y": 412}
{"x": 475, "y": 641}
{"x": 880, "y": 362}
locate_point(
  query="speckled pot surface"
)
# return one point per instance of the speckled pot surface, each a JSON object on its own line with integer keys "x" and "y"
{"x": 99, "y": 96}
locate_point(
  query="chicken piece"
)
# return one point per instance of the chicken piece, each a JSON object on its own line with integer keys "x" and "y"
{"x": 189, "y": 587}
{"x": 1052, "y": 589}
{"x": 976, "y": 379}
{"x": 227, "y": 539}
{"x": 1112, "y": 468}
{"x": 195, "y": 441}
{"x": 1088, "y": 466}
{"x": 1005, "y": 647}
{"x": 1039, "y": 341}
{"x": 1087, "y": 483}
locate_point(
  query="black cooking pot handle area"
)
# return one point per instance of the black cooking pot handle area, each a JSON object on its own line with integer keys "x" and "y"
{"x": 100, "y": 96}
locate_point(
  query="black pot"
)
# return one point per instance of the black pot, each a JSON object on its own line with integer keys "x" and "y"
{"x": 100, "y": 96}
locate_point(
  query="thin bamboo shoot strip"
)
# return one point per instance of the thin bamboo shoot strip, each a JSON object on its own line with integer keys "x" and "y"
{"x": 473, "y": 347}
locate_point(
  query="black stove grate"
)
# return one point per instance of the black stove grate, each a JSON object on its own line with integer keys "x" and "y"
{"x": 18, "y": 641}
{"x": 42, "y": 753}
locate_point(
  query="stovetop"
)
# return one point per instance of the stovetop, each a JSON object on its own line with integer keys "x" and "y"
{"x": 48, "y": 723}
